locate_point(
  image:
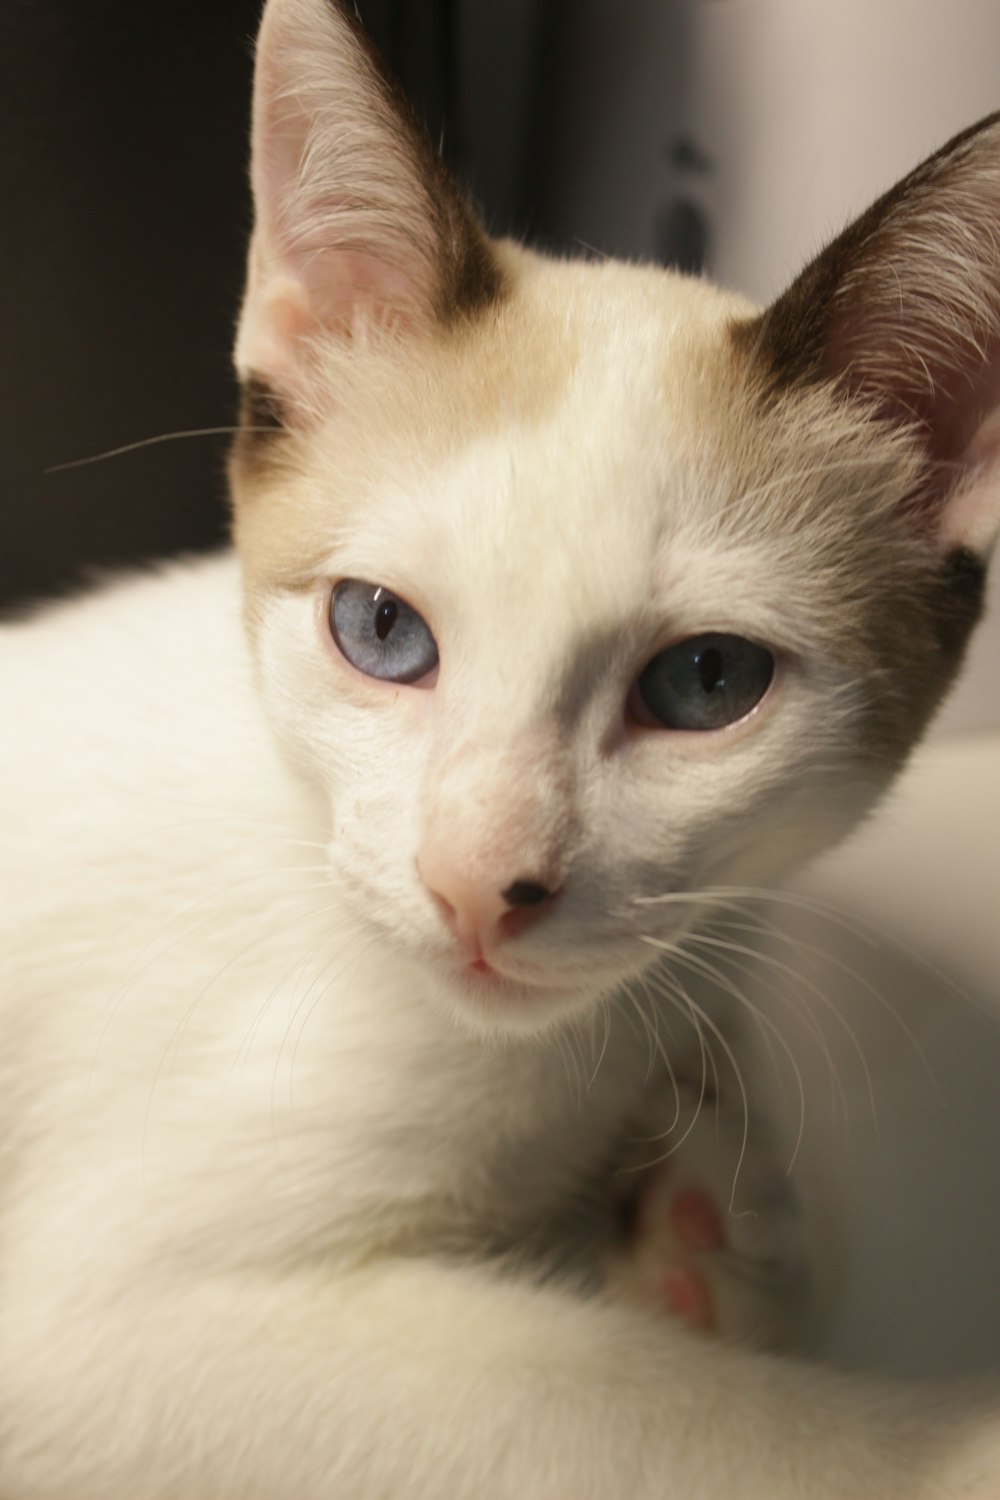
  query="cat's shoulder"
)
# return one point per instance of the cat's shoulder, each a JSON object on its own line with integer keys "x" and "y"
{"x": 132, "y": 628}
{"x": 145, "y": 595}
{"x": 127, "y": 683}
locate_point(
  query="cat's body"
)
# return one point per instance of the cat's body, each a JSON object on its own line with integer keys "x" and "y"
{"x": 314, "y": 1085}
{"x": 200, "y": 1101}
{"x": 201, "y": 1096}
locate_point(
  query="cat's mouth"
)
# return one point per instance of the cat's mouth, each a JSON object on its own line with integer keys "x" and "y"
{"x": 481, "y": 971}
{"x": 522, "y": 1002}
{"x": 485, "y": 996}
{"x": 504, "y": 989}
{"x": 480, "y": 966}
{"x": 483, "y": 977}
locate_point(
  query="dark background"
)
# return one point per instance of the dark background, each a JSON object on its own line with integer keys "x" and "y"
{"x": 125, "y": 218}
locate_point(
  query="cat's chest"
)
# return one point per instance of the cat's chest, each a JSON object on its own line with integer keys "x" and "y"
{"x": 295, "y": 1089}
{"x": 433, "y": 1138}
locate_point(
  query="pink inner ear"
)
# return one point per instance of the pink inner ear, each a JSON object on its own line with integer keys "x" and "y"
{"x": 310, "y": 293}
{"x": 338, "y": 247}
{"x": 929, "y": 359}
{"x": 903, "y": 311}
{"x": 345, "y": 286}
{"x": 357, "y": 220}
{"x": 346, "y": 230}
{"x": 914, "y": 374}
{"x": 953, "y": 405}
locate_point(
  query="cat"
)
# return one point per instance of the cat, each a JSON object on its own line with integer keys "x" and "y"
{"x": 569, "y": 595}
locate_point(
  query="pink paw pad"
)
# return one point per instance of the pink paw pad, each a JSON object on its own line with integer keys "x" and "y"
{"x": 697, "y": 1221}
{"x": 688, "y": 1296}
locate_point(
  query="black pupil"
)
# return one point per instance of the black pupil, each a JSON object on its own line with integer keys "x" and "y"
{"x": 710, "y": 669}
{"x": 385, "y": 618}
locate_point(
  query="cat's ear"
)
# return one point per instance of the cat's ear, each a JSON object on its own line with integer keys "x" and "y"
{"x": 356, "y": 218}
{"x": 903, "y": 311}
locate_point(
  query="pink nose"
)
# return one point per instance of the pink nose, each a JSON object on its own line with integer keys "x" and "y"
{"x": 482, "y": 916}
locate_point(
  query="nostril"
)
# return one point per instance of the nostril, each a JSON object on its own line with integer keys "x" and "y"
{"x": 526, "y": 893}
{"x": 481, "y": 915}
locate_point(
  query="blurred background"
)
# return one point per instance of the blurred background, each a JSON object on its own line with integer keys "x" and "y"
{"x": 725, "y": 136}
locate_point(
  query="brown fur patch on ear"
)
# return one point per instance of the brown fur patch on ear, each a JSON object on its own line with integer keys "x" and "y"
{"x": 926, "y": 634}
{"x": 789, "y": 340}
{"x": 895, "y": 327}
{"x": 962, "y": 599}
{"x": 797, "y": 339}
{"x": 902, "y": 608}
{"x": 360, "y": 228}
{"x": 261, "y": 422}
{"x": 470, "y": 277}
{"x": 260, "y": 407}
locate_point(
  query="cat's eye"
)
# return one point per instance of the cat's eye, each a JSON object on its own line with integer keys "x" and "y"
{"x": 705, "y": 682}
{"x": 379, "y": 633}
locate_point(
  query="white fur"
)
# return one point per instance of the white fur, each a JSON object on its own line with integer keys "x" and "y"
{"x": 235, "y": 1127}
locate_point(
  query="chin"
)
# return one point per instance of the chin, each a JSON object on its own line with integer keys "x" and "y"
{"x": 494, "y": 1004}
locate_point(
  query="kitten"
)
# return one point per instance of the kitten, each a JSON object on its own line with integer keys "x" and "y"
{"x": 573, "y": 593}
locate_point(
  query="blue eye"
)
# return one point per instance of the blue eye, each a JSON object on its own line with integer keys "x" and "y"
{"x": 379, "y": 633}
{"x": 705, "y": 682}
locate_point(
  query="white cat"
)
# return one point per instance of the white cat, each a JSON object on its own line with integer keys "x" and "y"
{"x": 573, "y": 593}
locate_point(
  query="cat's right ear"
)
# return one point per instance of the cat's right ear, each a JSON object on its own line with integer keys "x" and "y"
{"x": 357, "y": 220}
{"x": 901, "y": 313}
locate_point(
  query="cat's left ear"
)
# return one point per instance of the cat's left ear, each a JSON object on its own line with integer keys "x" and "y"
{"x": 357, "y": 221}
{"x": 903, "y": 312}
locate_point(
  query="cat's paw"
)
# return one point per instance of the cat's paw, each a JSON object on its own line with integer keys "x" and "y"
{"x": 713, "y": 1235}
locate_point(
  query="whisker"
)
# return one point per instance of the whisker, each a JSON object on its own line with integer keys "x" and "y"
{"x": 593, "y": 250}
{"x": 647, "y": 1029}
{"x": 711, "y": 895}
{"x": 700, "y": 937}
{"x": 831, "y": 911}
{"x": 766, "y": 1026}
{"x": 797, "y": 979}
{"x": 604, "y": 1011}
{"x": 767, "y": 930}
{"x": 151, "y": 442}
{"x": 733, "y": 1063}
{"x": 707, "y": 1055}
{"x": 667, "y": 1062}
{"x": 671, "y": 990}
{"x": 662, "y": 1135}
{"x": 579, "y": 1063}
{"x": 878, "y": 995}
{"x": 561, "y": 1046}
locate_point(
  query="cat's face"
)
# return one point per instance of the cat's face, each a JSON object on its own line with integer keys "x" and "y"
{"x": 563, "y": 492}
{"x": 653, "y": 621}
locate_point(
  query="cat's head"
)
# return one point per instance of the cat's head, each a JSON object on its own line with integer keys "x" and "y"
{"x": 583, "y": 589}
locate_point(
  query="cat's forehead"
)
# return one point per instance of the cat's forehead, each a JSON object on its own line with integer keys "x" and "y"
{"x": 585, "y": 407}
